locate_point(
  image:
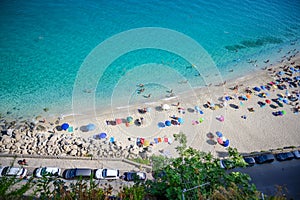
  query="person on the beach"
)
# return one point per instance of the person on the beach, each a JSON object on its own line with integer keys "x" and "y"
{"x": 149, "y": 95}
{"x": 141, "y": 85}
{"x": 178, "y": 103}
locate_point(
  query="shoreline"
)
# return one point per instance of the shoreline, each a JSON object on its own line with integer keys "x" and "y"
{"x": 261, "y": 130}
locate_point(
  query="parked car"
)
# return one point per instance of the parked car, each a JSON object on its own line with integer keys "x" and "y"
{"x": 18, "y": 172}
{"x": 47, "y": 171}
{"x": 265, "y": 158}
{"x": 250, "y": 161}
{"x": 108, "y": 174}
{"x": 284, "y": 156}
{"x": 296, "y": 154}
{"x": 78, "y": 173}
{"x": 131, "y": 176}
{"x": 226, "y": 164}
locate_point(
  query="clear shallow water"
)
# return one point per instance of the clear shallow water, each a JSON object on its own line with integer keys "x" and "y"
{"x": 43, "y": 44}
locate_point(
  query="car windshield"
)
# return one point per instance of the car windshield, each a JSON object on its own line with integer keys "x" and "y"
{"x": 43, "y": 171}
{"x": 104, "y": 173}
{"x": 72, "y": 173}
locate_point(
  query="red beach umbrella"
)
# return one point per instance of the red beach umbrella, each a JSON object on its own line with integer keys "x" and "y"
{"x": 220, "y": 140}
{"x": 268, "y": 101}
{"x": 119, "y": 121}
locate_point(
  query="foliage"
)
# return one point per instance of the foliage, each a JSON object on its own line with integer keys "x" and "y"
{"x": 136, "y": 192}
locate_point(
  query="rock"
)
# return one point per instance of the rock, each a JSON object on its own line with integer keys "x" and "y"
{"x": 18, "y": 137}
{"x": 73, "y": 152}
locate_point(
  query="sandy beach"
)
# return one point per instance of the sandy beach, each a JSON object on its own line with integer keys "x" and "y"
{"x": 248, "y": 131}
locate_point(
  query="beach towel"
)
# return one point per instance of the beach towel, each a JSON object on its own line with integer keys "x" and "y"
{"x": 156, "y": 140}
{"x": 159, "y": 140}
{"x": 170, "y": 140}
{"x": 166, "y": 139}
{"x": 70, "y": 129}
{"x": 142, "y": 140}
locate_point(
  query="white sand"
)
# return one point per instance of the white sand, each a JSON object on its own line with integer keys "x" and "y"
{"x": 260, "y": 131}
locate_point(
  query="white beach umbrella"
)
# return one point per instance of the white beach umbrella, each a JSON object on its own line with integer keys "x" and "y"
{"x": 165, "y": 107}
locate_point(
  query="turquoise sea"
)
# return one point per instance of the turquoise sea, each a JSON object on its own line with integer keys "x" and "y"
{"x": 43, "y": 45}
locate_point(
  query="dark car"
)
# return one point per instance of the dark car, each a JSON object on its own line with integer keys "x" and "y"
{"x": 131, "y": 176}
{"x": 227, "y": 164}
{"x": 296, "y": 154}
{"x": 265, "y": 158}
{"x": 249, "y": 160}
{"x": 77, "y": 173}
{"x": 284, "y": 156}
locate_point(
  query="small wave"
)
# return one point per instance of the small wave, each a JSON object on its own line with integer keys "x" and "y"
{"x": 122, "y": 107}
{"x": 169, "y": 98}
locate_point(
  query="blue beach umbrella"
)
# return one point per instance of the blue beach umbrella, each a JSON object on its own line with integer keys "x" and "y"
{"x": 285, "y": 101}
{"x": 90, "y": 127}
{"x": 180, "y": 120}
{"x": 168, "y": 123}
{"x": 102, "y": 135}
{"x": 219, "y": 134}
{"x": 161, "y": 125}
{"x": 257, "y": 89}
{"x": 263, "y": 87}
{"x": 65, "y": 126}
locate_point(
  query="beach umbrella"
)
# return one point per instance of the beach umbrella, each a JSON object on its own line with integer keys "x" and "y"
{"x": 283, "y": 112}
{"x": 168, "y": 123}
{"x": 285, "y": 101}
{"x": 221, "y": 118}
{"x": 90, "y": 127}
{"x": 119, "y": 121}
{"x": 219, "y": 134}
{"x": 201, "y": 119}
{"x": 263, "y": 87}
{"x": 201, "y": 112}
{"x": 161, "y": 125}
{"x": 257, "y": 89}
{"x": 102, "y": 135}
{"x": 220, "y": 141}
{"x": 64, "y": 126}
{"x": 268, "y": 101}
{"x": 197, "y": 108}
{"x": 146, "y": 143}
{"x": 165, "y": 107}
{"x": 226, "y": 143}
{"x": 180, "y": 120}
{"x": 227, "y": 98}
{"x": 129, "y": 119}
{"x": 248, "y": 96}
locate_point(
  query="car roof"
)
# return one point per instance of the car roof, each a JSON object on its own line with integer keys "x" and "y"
{"x": 12, "y": 171}
{"x": 83, "y": 172}
{"x": 112, "y": 172}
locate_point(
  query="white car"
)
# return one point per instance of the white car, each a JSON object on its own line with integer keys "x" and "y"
{"x": 47, "y": 171}
{"x": 108, "y": 174}
{"x": 18, "y": 172}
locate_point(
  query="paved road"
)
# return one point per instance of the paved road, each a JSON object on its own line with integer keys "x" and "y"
{"x": 267, "y": 176}
{"x": 34, "y": 163}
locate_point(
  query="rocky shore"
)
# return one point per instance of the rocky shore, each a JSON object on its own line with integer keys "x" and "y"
{"x": 41, "y": 138}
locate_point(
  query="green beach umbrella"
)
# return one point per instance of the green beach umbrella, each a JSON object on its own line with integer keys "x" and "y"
{"x": 129, "y": 119}
{"x": 283, "y": 112}
{"x": 201, "y": 119}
